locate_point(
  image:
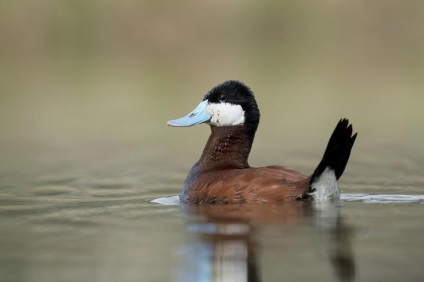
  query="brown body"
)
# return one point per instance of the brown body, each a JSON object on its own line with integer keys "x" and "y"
{"x": 249, "y": 185}
{"x": 223, "y": 175}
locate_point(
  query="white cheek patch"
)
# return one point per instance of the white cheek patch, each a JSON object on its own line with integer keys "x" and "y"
{"x": 225, "y": 114}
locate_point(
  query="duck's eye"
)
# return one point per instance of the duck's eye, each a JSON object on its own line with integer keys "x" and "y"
{"x": 222, "y": 98}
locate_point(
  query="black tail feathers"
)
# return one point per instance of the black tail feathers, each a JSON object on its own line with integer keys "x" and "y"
{"x": 338, "y": 150}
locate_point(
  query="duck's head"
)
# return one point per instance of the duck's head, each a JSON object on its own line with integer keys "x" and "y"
{"x": 229, "y": 104}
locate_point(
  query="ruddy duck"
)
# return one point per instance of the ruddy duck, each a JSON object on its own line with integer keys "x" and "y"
{"x": 223, "y": 174}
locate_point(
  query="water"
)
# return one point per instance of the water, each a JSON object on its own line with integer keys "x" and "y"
{"x": 72, "y": 216}
{"x": 76, "y": 205}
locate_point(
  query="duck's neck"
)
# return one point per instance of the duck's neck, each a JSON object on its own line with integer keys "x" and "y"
{"x": 227, "y": 147}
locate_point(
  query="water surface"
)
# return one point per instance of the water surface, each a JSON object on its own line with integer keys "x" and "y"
{"x": 67, "y": 220}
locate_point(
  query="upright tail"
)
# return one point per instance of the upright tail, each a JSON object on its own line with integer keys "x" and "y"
{"x": 323, "y": 183}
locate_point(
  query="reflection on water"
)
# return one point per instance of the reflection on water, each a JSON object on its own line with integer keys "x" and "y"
{"x": 226, "y": 249}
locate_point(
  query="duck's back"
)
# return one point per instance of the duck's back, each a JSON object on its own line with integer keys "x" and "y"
{"x": 248, "y": 185}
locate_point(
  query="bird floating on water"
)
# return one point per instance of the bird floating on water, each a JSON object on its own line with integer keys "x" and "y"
{"x": 223, "y": 174}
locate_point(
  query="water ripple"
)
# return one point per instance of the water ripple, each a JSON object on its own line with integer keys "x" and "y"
{"x": 384, "y": 198}
{"x": 348, "y": 197}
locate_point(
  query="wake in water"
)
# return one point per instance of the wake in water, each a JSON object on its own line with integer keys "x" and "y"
{"x": 366, "y": 198}
{"x": 167, "y": 201}
{"x": 387, "y": 198}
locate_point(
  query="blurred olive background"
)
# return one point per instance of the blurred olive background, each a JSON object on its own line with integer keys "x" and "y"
{"x": 91, "y": 80}
{"x": 86, "y": 88}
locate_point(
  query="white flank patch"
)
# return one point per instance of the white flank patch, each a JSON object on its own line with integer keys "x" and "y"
{"x": 325, "y": 186}
{"x": 225, "y": 114}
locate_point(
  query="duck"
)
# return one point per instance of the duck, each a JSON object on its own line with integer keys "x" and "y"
{"x": 223, "y": 175}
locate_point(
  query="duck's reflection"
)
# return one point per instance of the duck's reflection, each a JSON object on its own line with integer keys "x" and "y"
{"x": 337, "y": 236}
{"x": 225, "y": 246}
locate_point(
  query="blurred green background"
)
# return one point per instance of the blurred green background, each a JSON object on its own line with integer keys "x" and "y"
{"x": 88, "y": 77}
{"x": 86, "y": 88}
